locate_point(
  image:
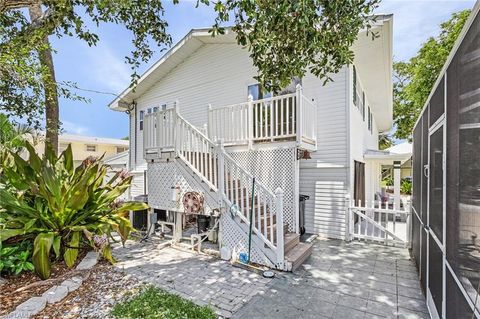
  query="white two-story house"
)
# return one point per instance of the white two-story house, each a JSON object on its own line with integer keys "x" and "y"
{"x": 200, "y": 122}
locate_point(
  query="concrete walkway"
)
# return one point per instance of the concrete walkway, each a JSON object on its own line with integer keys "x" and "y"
{"x": 344, "y": 280}
{"x": 339, "y": 280}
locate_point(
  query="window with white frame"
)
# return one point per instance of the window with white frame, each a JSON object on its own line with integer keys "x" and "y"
{"x": 91, "y": 148}
{"x": 370, "y": 118}
{"x": 140, "y": 123}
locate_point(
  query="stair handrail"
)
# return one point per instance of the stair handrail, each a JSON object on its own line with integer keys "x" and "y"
{"x": 222, "y": 182}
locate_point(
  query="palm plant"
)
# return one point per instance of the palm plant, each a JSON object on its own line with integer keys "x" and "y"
{"x": 60, "y": 207}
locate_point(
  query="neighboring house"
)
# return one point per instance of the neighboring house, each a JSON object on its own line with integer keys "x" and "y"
{"x": 85, "y": 146}
{"x": 203, "y": 94}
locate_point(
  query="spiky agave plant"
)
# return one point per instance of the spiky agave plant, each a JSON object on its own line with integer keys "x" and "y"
{"x": 60, "y": 207}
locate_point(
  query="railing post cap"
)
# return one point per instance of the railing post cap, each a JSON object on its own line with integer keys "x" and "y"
{"x": 209, "y": 106}
{"x": 250, "y": 98}
{"x": 347, "y": 197}
{"x": 279, "y": 191}
{"x": 298, "y": 86}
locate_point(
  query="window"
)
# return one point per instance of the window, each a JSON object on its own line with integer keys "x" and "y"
{"x": 121, "y": 149}
{"x": 363, "y": 106}
{"x": 91, "y": 148}
{"x": 257, "y": 92}
{"x": 354, "y": 85}
{"x": 369, "y": 119}
{"x": 141, "y": 120}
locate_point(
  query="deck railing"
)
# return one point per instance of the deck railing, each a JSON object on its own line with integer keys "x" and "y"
{"x": 279, "y": 118}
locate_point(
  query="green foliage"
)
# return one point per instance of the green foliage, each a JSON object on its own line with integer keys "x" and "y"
{"x": 15, "y": 258}
{"x": 288, "y": 38}
{"x": 384, "y": 141}
{"x": 285, "y": 39}
{"x": 415, "y": 79}
{"x": 61, "y": 207}
{"x": 406, "y": 186}
{"x": 388, "y": 181}
{"x": 153, "y": 303}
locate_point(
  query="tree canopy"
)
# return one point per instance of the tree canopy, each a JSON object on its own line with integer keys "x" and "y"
{"x": 415, "y": 78}
{"x": 285, "y": 39}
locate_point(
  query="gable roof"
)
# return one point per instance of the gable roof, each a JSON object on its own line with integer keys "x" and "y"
{"x": 176, "y": 55}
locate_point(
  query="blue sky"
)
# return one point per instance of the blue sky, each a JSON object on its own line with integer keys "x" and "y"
{"x": 102, "y": 68}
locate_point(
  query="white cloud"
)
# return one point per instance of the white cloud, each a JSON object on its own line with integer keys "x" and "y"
{"x": 73, "y": 128}
{"x": 107, "y": 68}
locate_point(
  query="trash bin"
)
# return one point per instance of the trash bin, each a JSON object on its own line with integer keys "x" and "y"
{"x": 140, "y": 218}
{"x": 301, "y": 212}
{"x": 202, "y": 223}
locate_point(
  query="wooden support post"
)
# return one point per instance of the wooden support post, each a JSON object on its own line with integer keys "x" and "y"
{"x": 299, "y": 106}
{"x": 279, "y": 213}
{"x": 348, "y": 219}
{"x": 250, "y": 122}
{"x": 221, "y": 171}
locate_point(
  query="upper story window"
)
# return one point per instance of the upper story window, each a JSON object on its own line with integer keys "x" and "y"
{"x": 258, "y": 92}
{"x": 140, "y": 123}
{"x": 354, "y": 85}
{"x": 363, "y": 106}
{"x": 370, "y": 119}
{"x": 91, "y": 148}
{"x": 121, "y": 149}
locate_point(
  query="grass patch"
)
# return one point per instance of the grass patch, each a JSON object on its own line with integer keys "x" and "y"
{"x": 153, "y": 303}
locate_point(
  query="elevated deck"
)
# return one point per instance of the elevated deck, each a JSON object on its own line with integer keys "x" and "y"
{"x": 289, "y": 118}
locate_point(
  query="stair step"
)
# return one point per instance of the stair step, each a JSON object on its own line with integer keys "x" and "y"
{"x": 291, "y": 240}
{"x": 298, "y": 254}
{"x": 285, "y": 230}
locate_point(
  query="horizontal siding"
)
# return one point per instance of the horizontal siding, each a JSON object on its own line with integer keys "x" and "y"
{"x": 332, "y": 133}
{"x": 216, "y": 74}
{"x": 325, "y": 210}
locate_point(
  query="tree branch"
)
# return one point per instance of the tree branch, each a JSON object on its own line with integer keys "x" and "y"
{"x": 15, "y": 4}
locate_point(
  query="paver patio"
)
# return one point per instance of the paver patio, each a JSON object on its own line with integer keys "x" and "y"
{"x": 339, "y": 280}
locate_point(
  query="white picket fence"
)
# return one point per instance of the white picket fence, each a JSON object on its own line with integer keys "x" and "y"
{"x": 379, "y": 222}
{"x": 278, "y": 118}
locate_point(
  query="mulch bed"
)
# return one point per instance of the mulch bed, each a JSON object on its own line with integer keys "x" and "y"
{"x": 9, "y": 298}
{"x": 104, "y": 287}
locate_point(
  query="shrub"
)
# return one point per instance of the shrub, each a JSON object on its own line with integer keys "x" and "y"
{"x": 15, "y": 259}
{"x": 406, "y": 186}
{"x": 60, "y": 207}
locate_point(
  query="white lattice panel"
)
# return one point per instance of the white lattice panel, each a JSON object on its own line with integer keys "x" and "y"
{"x": 274, "y": 168}
{"x": 163, "y": 176}
{"x": 236, "y": 240}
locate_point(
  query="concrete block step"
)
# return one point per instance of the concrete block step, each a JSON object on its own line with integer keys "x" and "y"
{"x": 298, "y": 254}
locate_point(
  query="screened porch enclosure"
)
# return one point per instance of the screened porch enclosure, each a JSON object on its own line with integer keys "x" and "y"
{"x": 446, "y": 185}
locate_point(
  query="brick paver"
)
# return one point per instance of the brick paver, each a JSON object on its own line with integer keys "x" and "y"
{"x": 200, "y": 278}
{"x": 339, "y": 280}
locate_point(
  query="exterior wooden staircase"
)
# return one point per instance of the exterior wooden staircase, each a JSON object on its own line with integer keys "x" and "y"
{"x": 220, "y": 176}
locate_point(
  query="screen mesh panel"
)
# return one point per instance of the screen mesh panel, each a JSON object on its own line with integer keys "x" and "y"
{"x": 424, "y": 162}
{"x": 437, "y": 102}
{"x": 435, "y": 273}
{"x": 457, "y": 306}
{"x": 435, "y": 208}
{"x": 463, "y": 162}
{"x": 423, "y": 261}
{"x": 416, "y": 229}
{"x": 417, "y": 169}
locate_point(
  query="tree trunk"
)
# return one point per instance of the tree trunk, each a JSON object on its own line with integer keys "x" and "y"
{"x": 51, "y": 96}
